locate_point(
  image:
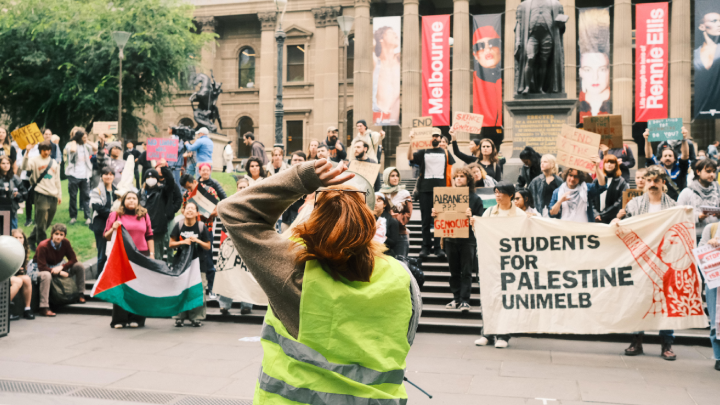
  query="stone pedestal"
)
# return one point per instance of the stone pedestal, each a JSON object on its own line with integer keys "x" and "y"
{"x": 537, "y": 122}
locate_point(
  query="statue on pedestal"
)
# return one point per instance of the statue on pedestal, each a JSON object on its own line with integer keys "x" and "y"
{"x": 206, "y": 111}
{"x": 539, "y": 56}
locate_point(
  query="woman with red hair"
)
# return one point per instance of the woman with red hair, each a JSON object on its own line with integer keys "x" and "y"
{"x": 342, "y": 315}
{"x": 608, "y": 204}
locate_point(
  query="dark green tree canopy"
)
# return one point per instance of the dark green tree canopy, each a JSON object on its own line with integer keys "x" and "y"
{"x": 59, "y": 63}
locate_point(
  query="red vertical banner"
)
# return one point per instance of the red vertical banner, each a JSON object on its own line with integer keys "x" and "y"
{"x": 651, "y": 61}
{"x": 436, "y": 68}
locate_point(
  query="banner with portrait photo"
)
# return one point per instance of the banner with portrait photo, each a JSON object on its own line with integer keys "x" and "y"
{"x": 706, "y": 59}
{"x": 594, "y": 70}
{"x": 487, "y": 67}
{"x": 387, "y": 34}
{"x": 542, "y": 275}
{"x": 651, "y": 61}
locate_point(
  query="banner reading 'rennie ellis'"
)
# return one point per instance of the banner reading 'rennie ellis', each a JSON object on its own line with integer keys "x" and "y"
{"x": 487, "y": 63}
{"x": 550, "y": 276}
{"x": 386, "y": 72}
{"x": 706, "y": 59}
{"x": 651, "y": 61}
{"x": 594, "y": 71}
{"x": 436, "y": 68}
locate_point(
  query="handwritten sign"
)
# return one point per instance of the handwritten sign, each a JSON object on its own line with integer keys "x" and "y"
{"x": 368, "y": 170}
{"x": 629, "y": 194}
{"x": 467, "y": 122}
{"x": 27, "y": 135}
{"x": 105, "y": 127}
{"x": 162, "y": 148}
{"x": 608, "y": 126}
{"x": 665, "y": 130}
{"x": 422, "y": 122}
{"x": 576, "y": 148}
{"x": 708, "y": 259}
{"x": 452, "y": 225}
{"x": 451, "y": 199}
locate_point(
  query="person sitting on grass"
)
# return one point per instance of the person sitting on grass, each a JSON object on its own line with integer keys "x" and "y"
{"x": 49, "y": 258}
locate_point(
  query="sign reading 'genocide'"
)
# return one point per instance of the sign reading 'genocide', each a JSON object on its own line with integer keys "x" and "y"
{"x": 450, "y": 203}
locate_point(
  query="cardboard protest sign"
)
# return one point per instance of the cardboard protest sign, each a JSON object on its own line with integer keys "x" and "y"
{"x": 422, "y": 122}
{"x": 451, "y": 199}
{"x": 105, "y": 127}
{"x": 549, "y": 276}
{"x": 467, "y": 122}
{"x": 577, "y": 148}
{"x": 608, "y": 126}
{"x": 162, "y": 148}
{"x": 452, "y": 225}
{"x": 422, "y": 127}
{"x": 629, "y": 194}
{"x": 27, "y": 135}
{"x": 665, "y": 130}
{"x": 368, "y": 170}
{"x": 708, "y": 259}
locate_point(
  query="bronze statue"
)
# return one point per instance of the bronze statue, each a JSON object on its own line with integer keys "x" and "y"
{"x": 206, "y": 112}
{"x": 539, "y": 57}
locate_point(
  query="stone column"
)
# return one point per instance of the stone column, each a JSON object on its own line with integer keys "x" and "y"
{"x": 570, "y": 48}
{"x": 320, "y": 69}
{"x": 680, "y": 63}
{"x": 266, "y": 81}
{"x": 509, "y": 73}
{"x": 362, "y": 97}
{"x": 207, "y": 55}
{"x": 622, "y": 88}
{"x": 331, "y": 60}
{"x": 461, "y": 72}
{"x": 411, "y": 93}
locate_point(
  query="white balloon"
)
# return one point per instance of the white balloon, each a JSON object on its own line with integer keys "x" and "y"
{"x": 12, "y": 255}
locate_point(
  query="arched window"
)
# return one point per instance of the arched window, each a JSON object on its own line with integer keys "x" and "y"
{"x": 246, "y": 68}
{"x": 187, "y": 122}
{"x": 350, "y": 60}
{"x": 245, "y": 125}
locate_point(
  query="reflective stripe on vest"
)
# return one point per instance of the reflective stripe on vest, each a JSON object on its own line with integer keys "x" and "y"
{"x": 355, "y": 372}
{"x": 310, "y": 397}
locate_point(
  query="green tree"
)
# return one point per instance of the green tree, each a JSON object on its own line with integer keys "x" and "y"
{"x": 59, "y": 63}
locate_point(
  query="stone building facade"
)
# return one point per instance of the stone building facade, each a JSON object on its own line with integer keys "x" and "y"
{"x": 314, "y": 67}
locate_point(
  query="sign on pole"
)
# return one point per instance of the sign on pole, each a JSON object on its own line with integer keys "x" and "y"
{"x": 27, "y": 135}
{"x": 608, "y": 126}
{"x": 162, "y": 148}
{"x": 576, "y": 148}
{"x": 105, "y": 127}
{"x": 669, "y": 129}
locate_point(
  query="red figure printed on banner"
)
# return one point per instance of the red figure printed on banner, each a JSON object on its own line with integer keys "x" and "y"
{"x": 672, "y": 270}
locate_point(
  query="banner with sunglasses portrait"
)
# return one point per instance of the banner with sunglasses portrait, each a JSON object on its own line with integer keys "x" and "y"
{"x": 594, "y": 71}
{"x": 387, "y": 34}
{"x": 706, "y": 59}
{"x": 487, "y": 65}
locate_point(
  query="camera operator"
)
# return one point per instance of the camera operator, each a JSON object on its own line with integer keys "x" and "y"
{"x": 203, "y": 146}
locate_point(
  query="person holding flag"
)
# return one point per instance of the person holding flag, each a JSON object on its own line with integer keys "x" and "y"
{"x": 204, "y": 196}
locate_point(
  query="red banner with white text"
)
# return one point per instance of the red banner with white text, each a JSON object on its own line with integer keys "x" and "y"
{"x": 436, "y": 68}
{"x": 651, "y": 61}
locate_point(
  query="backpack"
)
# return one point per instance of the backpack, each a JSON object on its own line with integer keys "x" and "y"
{"x": 63, "y": 291}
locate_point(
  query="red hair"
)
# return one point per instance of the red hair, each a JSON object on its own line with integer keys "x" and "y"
{"x": 613, "y": 159}
{"x": 339, "y": 234}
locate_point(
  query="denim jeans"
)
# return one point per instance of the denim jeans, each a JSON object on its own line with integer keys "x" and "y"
{"x": 13, "y": 220}
{"x": 668, "y": 335}
{"x": 403, "y": 246}
{"x": 712, "y": 306}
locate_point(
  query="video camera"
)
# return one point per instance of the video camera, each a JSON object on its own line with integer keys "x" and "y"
{"x": 186, "y": 134}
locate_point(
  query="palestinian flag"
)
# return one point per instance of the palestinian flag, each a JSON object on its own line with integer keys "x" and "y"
{"x": 204, "y": 200}
{"x": 148, "y": 287}
{"x": 487, "y": 194}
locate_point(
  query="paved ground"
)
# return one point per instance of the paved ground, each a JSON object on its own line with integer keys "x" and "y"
{"x": 82, "y": 350}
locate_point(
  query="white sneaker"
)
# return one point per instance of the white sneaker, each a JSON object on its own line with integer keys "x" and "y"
{"x": 483, "y": 341}
{"x": 501, "y": 344}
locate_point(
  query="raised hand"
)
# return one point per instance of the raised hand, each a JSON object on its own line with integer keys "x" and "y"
{"x": 330, "y": 176}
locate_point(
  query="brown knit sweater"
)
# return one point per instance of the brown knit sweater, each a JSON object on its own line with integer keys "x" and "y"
{"x": 249, "y": 217}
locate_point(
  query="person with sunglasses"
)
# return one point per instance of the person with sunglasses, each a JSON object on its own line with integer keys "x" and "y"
{"x": 331, "y": 264}
{"x": 488, "y": 75}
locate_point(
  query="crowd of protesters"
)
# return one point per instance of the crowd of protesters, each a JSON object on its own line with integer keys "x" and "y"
{"x": 94, "y": 170}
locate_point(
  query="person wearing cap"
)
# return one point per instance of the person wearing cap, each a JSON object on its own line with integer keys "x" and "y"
{"x": 203, "y": 146}
{"x": 156, "y": 196}
{"x": 372, "y": 138}
{"x": 336, "y": 150}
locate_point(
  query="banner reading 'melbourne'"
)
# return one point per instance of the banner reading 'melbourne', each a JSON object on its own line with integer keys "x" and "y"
{"x": 542, "y": 275}
{"x": 436, "y": 68}
{"x": 651, "y": 61}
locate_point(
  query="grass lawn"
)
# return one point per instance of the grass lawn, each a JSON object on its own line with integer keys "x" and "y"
{"x": 81, "y": 237}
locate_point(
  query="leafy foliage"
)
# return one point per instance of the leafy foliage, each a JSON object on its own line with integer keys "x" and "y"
{"x": 59, "y": 62}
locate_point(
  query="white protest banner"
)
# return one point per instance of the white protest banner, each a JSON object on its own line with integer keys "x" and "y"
{"x": 467, "y": 122}
{"x": 365, "y": 169}
{"x": 708, "y": 259}
{"x": 232, "y": 278}
{"x": 542, "y": 275}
